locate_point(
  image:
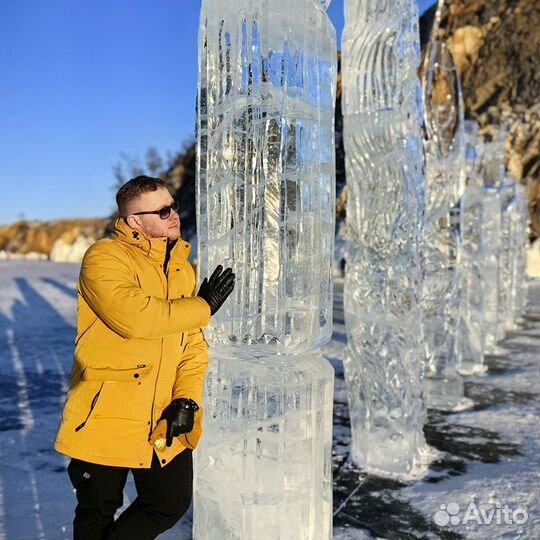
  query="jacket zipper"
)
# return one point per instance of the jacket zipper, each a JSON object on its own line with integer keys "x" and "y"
{"x": 92, "y": 405}
{"x": 153, "y": 422}
{"x": 165, "y": 279}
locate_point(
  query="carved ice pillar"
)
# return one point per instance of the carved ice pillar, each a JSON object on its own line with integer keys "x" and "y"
{"x": 491, "y": 232}
{"x": 265, "y": 206}
{"x": 444, "y": 147}
{"x": 514, "y": 239}
{"x": 492, "y": 170}
{"x": 471, "y": 321}
{"x": 384, "y": 165}
{"x": 521, "y": 240}
{"x": 508, "y": 253}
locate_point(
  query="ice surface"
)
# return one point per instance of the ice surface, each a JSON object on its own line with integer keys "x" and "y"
{"x": 445, "y": 154}
{"x": 514, "y": 242}
{"x": 264, "y": 464}
{"x": 265, "y": 207}
{"x": 491, "y": 231}
{"x": 445, "y": 135}
{"x": 384, "y": 163}
{"x": 441, "y": 296}
{"x": 471, "y": 327}
{"x": 471, "y": 322}
{"x": 492, "y": 171}
{"x": 266, "y": 186}
{"x": 508, "y": 253}
{"x": 521, "y": 240}
{"x": 492, "y": 165}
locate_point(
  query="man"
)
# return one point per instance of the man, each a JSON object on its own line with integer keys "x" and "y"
{"x": 140, "y": 358}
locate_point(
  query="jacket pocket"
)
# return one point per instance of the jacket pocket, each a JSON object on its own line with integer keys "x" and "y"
{"x": 132, "y": 374}
{"x": 92, "y": 407}
{"x": 126, "y": 392}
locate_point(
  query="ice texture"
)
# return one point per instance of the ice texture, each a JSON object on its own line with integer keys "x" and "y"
{"x": 445, "y": 134}
{"x": 384, "y": 163}
{"x": 266, "y": 207}
{"x": 266, "y": 190}
{"x": 514, "y": 241}
{"x": 508, "y": 253}
{"x": 445, "y": 155}
{"x": 491, "y": 230}
{"x": 493, "y": 174}
{"x": 264, "y": 464}
{"x": 494, "y": 240}
{"x": 471, "y": 320}
{"x": 521, "y": 239}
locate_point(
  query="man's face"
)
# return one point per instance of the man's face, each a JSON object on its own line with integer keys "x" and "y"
{"x": 151, "y": 224}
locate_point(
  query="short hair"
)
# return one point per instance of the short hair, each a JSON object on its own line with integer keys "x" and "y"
{"x": 134, "y": 188}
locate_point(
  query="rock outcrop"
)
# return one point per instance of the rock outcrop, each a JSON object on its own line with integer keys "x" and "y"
{"x": 62, "y": 251}
{"x": 35, "y": 237}
{"x": 496, "y": 47}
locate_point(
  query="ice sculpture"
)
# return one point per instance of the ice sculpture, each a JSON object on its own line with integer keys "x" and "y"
{"x": 508, "y": 253}
{"x": 514, "y": 237}
{"x": 265, "y": 205}
{"x": 384, "y": 164}
{"x": 266, "y": 193}
{"x": 521, "y": 239}
{"x": 444, "y": 148}
{"x": 264, "y": 464}
{"x": 492, "y": 171}
{"x": 471, "y": 327}
{"x": 491, "y": 231}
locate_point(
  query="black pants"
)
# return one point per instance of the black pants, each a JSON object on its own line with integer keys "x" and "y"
{"x": 163, "y": 496}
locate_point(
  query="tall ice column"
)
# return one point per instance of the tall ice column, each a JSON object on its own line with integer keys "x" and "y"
{"x": 522, "y": 244}
{"x": 514, "y": 223}
{"x": 492, "y": 170}
{"x": 445, "y": 152}
{"x": 384, "y": 165}
{"x": 508, "y": 253}
{"x": 265, "y": 207}
{"x": 471, "y": 321}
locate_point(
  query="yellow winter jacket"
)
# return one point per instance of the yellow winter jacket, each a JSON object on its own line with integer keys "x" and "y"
{"x": 139, "y": 345}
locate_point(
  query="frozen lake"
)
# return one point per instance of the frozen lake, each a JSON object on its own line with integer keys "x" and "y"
{"x": 489, "y": 456}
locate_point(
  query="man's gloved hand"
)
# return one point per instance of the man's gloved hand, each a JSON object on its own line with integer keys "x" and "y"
{"x": 180, "y": 415}
{"x": 216, "y": 289}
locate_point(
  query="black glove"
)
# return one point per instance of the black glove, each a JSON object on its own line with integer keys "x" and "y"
{"x": 216, "y": 289}
{"x": 180, "y": 415}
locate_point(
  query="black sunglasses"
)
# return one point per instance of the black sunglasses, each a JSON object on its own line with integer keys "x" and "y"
{"x": 163, "y": 213}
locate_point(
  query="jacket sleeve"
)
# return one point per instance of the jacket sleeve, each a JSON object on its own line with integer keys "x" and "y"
{"x": 108, "y": 286}
{"x": 192, "y": 368}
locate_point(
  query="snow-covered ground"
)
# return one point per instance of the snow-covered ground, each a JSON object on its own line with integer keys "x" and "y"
{"x": 487, "y": 472}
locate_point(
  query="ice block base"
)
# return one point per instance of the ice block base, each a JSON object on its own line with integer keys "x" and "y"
{"x": 446, "y": 393}
{"x": 263, "y": 467}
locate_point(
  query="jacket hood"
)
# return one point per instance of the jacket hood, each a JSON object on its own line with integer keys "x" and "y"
{"x": 155, "y": 248}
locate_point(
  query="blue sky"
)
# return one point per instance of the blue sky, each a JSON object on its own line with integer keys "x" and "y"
{"x": 83, "y": 81}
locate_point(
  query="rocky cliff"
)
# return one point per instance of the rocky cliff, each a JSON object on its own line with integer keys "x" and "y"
{"x": 496, "y": 46}
{"x": 35, "y": 237}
